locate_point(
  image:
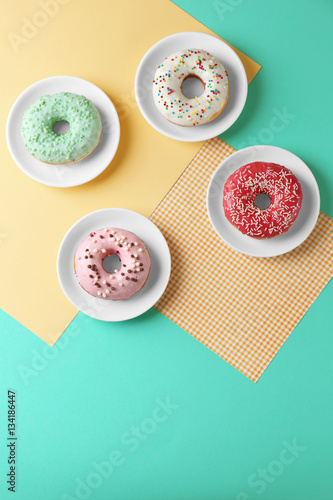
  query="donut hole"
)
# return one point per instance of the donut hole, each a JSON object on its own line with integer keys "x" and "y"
{"x": 61, "y": 127}
{"x": 262, "y": 201}
{"x": 192, "y": 86}
{"x": 111, "y": 263}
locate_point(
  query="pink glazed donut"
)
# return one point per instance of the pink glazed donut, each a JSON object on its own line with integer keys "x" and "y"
{"x": 122, "y": 284}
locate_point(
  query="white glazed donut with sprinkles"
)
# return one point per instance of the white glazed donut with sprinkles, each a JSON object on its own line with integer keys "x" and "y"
{"x": 122, "y": 284}
{"x": 167, "y": 88}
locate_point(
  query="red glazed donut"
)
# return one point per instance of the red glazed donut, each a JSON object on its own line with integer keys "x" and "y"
{"x": 244, "y": 185}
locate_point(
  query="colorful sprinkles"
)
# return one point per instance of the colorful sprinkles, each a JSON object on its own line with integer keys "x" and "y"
{"x": 167, "y": 89}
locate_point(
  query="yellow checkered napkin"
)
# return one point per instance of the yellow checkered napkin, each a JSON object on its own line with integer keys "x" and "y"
{"x": 243, "y": 308}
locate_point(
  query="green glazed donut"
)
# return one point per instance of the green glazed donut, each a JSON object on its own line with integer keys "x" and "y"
{"x": 85, "y": 128}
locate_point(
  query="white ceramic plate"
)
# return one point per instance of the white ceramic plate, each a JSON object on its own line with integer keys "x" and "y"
{"x": 108, "y": 310}
{"x": 64, "y": 175}
{"x": 278, "y": 245}
{"x": 143, "y": 86}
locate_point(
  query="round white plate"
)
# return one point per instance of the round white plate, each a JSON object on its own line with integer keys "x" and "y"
{"x": 278, "y": 245}
{"x": 143, "y": 86}
{"x": 72, "y": 174}
{"x": 108, "y": 310}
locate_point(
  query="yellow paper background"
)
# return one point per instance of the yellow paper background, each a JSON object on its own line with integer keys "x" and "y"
{"x": 101, "y": 41}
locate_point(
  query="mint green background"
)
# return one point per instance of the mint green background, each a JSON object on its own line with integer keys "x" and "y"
{"x": 105, "y": 378}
